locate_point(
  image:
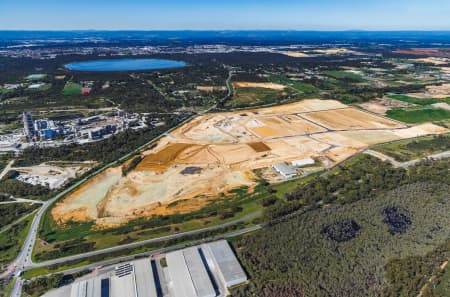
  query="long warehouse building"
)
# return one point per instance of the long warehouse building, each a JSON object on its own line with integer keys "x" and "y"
{"x": 205, "y": 270}
{"x": 188, "y": 275}
{"x": 220, "y": 255}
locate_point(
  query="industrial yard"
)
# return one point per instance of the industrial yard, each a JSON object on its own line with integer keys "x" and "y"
{"x": 221, "y": 152}
{"x": 206, "y": 270}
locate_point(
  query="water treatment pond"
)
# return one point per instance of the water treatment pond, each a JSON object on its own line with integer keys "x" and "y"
{"x": 124, "y": 65}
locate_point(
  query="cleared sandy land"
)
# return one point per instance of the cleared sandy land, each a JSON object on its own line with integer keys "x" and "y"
{"x": 382, "y": 105}
{"x": 333, "y": 51}
{"x": 295, "y": 54}
{"x": 272, "y": 86}
{"x": 433, "y": 60}
{"x": 350, "y": 118}
{"x": 216, "y": 153}
{"x": 434, "y": 91}
{"x": 53, "y": 174}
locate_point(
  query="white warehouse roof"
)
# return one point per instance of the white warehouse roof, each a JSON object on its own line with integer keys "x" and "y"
{"x": 199, "y": 275}
{"x": 284, "y": 169}
{"x": 188, "y": 274}
{"x": 145, "y": 281}
{"x": 123, "y": 285}
{"x": 229, "y": 266}
{"x": 87, "y": 288}
{"x": 303, "y": 162}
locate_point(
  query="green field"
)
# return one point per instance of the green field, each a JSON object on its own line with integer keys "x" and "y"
{"x": 72, "y": 88}
{"x": 244, "y": 97}
{"x": 418, "y": 114}
{"x": 344, "y": 75}
{"x": 410, "y": 149}
{"x": 297, "y": 85}
{"x": 419, "y": 101}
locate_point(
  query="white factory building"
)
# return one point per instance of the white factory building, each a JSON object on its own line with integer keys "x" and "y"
{"x": 284, "y": 170}
{"x": 303, "y": 162}
{"x": 206, "y": 270}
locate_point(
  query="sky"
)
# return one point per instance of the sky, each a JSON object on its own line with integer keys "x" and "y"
{"x": 225, "y": 15}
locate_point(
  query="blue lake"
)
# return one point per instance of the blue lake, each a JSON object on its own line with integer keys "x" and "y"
{"x": 124, "y": 65}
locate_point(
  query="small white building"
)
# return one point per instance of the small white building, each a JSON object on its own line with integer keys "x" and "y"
{"x": 285, "y": 170}
{"x": 303, "y": 162}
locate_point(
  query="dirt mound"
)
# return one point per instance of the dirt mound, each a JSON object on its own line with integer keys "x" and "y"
{"x": 259, "y": 146}
{"x": 159, "y": 161}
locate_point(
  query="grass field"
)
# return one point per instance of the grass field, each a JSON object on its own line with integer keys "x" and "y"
{"x": 254, "y": 96}
{"x": 419, "y": 101}
{"x": 297, "y": 85}
{"x": 344, "y": 75}
{"x": 72, "y": 88}
{"x": 410, "y": 149}
{"x": 418, "y": 114}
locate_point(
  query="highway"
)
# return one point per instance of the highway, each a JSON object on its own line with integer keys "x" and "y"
{"x": 143, "y": 242}
{"x": 6, "y": 169}
{"x": 410, "y": 163}
{"x": 162, "y": 250}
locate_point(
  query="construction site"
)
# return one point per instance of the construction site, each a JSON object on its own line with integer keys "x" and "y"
{"x": 204, "y": 159}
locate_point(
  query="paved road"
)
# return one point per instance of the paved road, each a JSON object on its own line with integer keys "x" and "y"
{"x": 22, "y": 200}
{"x": 17, "y": 290}
{"x": 162, "y": 250}
{"x": 23, "y": 260}
{"x": 143, "y": 242}
{"x": 6, "y": 169}
{"x": 7, "y": 227}
{"x": 381, "y": 156}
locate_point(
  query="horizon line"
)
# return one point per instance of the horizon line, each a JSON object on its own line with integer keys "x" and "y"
{"x": 224, "y": 30}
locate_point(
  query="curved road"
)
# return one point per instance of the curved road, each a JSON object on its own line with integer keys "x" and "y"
{"x": 23, "y": 260}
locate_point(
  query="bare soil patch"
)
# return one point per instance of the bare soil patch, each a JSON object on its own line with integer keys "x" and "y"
{"x": 216, "y": 153}
{"x": 259, "y": 146}
{"x": 268, "y": 85}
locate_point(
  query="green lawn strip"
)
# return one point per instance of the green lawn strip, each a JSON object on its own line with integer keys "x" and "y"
{"x": 419, "y": 101}
{"x": 176, "y": 242}
{"x": 72, "y": 88}
{"x": 418, "y": 114}
{"x": 415, "y": 148}
{"x": 35, "y": 272}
